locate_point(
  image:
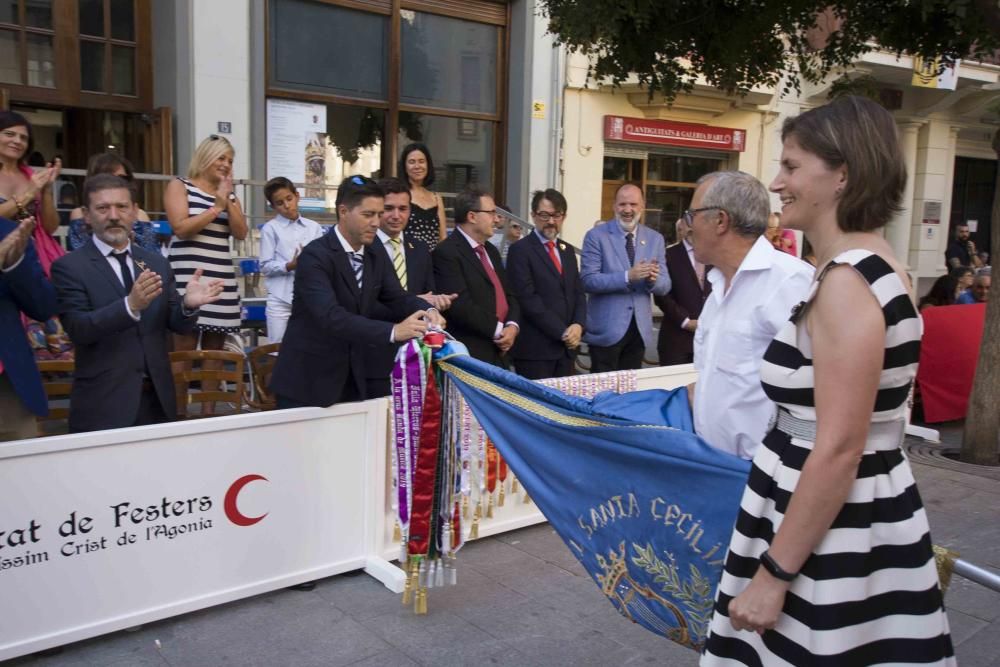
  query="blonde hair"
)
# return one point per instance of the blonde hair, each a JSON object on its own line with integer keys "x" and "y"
{"x": 208, "y": 151}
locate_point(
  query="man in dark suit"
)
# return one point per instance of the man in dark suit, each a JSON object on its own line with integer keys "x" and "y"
{"x": 484, "y": 316}
{"x": 411, "y": 261}
{"x": 23, "y": 288}
{"x": 118, "y": 317}
{"x": 546, "y": 281}
{"x": 339, "y": 281}
{"x": 681, "y": 306}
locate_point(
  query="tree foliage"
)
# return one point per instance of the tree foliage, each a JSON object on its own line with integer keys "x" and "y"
{"x": 738, "y": 44}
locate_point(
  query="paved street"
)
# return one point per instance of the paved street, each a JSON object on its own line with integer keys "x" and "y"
{"x": 522, "y": 600}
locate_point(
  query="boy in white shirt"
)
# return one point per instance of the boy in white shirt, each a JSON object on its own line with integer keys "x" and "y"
{"x": 281, "y": 240}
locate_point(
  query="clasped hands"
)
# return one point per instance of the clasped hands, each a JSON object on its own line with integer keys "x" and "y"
{"x": 572, "y": 336}
{"x": 149, "y": 285}
{"x": 647, "y": 269}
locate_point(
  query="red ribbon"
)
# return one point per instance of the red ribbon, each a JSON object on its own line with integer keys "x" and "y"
{"x": 491, "y": 465}
{"x": 425, "y": 472}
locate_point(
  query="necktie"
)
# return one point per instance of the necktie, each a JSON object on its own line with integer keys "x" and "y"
{"x": 358, "y": 262}
{"x": 501, "y": 297}
{"x": 399, "y": 260}
{"x": 630, "y": 247}
{"x": 122, "y": 258}
{"x": 554, "y": 256}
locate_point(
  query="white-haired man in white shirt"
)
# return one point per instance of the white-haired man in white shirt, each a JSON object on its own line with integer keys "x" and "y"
{"x": 754, "y": 288}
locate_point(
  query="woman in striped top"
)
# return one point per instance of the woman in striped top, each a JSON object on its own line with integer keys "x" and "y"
{"x": 204, "y": 212}
{"x": 830, "y": 562}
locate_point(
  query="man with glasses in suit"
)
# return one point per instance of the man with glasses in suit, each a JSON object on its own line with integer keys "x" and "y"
{"x": 545, "y": 278}
{"x": 485, "y": 315}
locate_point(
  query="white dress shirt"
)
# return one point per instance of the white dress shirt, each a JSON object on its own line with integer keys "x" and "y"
{"x": 107, "y": 250}
{"x": 475, "y": 244}
{"x": 279, "y": 240}
{"x": 731, "y": 411}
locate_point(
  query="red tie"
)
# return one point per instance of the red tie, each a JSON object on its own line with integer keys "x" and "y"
{"x": 501, "y": 298}
{"x": 554, "y": 256}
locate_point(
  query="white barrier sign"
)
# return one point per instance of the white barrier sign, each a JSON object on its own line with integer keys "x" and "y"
{"x": 106, "y": 530}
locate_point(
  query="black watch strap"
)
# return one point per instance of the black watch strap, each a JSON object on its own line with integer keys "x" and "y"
{"x": 776, "y": 570}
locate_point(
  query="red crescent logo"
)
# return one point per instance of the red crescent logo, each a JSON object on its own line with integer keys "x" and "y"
{"x": 229, "y": 504}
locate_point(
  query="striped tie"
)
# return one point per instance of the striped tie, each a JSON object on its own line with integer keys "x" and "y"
{"x": 399, "y": 260}
{"x": 358, "y": 261}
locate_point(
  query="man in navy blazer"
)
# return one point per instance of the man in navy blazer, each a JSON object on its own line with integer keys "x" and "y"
{"x": 485, "y": 314}
{"x": 621, "y": 266}
{"x": 117, "y": 302}
{"x": 682, "y": 305}
{"x": 546, "y": 281}
{"x": 23, "y": 288}
{"x": 339, "y": 282}
{"x": 411, "y": 261}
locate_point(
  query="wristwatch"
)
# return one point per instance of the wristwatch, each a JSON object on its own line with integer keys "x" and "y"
{"x": 774, "y": 569}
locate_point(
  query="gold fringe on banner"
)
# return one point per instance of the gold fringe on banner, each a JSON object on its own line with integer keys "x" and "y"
{"x": 945, "y": 561}
{"x": 420, "y": 605}
{"x": 489, "y": 508}
{"x": 397, "y": 533}
{"x": 411, "y": 581}
{"x": 514, "y": 486}
{"x": 474, "y": 531}
{"x": 500, "y": 500}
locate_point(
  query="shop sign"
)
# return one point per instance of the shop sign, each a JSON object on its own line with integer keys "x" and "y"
{"x": 669, "y": 133}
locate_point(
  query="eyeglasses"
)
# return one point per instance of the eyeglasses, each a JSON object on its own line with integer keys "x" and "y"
{"x": 514, "y": 225}
{"x": 545, "y": 216}
{"x": 214, "y": 137}
{"x": 361, "y": 180}
{"x": 689, "y": 214}
{"x": 490, "y": 212}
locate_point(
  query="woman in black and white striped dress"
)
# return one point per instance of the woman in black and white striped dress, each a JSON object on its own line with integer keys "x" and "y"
{"x": 204, "y": 212}
{"x": 830, "y": 561}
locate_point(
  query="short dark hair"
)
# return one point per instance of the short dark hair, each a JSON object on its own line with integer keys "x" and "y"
{"x": 101, "y": 182}
{"x": 429, "y": 178}
{"x": 13, "y": 119}
{"x": 467, "y": 201}
{"x": 859, "y": 133}
{"x": 393, "y": 186}
{"x": 354, "y": 189}
{"x": 551, "y": 194}
{"x": 107, "y": 163}
{"x": 960, "y": 271}
{"x": 275, "y": 184}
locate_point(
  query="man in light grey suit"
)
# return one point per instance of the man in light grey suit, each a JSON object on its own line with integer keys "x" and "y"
{"x": 622, "y": 266}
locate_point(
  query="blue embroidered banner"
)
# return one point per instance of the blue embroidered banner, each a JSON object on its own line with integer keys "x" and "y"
{"x": 644, "y": 504}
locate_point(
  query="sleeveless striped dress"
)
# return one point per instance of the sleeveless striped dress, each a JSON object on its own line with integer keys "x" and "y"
{"x": 868, "y": 594}
{"x": 209, "y": 251}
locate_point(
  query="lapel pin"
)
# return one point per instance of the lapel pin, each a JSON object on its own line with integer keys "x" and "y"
{"x": 642, "y": 243}
{"x": 141, "y": 264}
{"x": 562, "y": 246}
{"x": 409, "y": 245}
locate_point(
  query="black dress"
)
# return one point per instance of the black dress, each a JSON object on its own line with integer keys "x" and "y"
{"x": 424, "y": 224}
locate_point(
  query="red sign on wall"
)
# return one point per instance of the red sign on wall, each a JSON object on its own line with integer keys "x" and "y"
{"x": 669, "y": 133}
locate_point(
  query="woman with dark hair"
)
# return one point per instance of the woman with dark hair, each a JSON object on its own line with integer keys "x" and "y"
{"x": 830, "y": 562}
{"x": 942, "y": 292}
{"x": 964, "y": 277}
{"x": 427, "y": 218}
{"x": 27, "y": 192}
{"x": 24, "y": 191}
{"x": 143, "y": 233}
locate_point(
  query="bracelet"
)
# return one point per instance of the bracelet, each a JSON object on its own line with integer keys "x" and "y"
{"x": 776, "y": 571}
